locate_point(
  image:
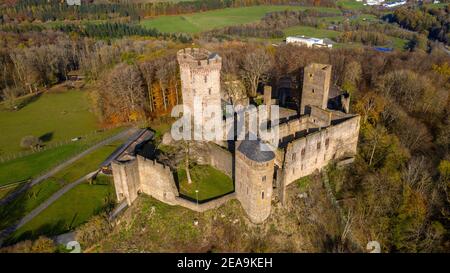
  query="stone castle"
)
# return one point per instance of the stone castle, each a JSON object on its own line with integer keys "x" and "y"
{"x": 320, "y": 131}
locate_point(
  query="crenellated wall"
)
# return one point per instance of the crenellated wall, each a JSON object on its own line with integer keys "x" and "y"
{"x": 307, "y": 143}
{"x": 157, "y": 180}
{"x": 200, "y": 79}
{"x": 126, "y": 180}
{"x": 314, "y": 151}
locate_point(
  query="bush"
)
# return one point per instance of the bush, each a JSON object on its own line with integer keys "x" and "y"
{"x": 30, "y": 142}
{"x": 41, "y": 245}
{"x": 93, "y": 231}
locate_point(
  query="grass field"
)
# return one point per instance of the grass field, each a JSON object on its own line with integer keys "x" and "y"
{"x": 71, "y": 210}
{"x": 30, "y": 166}
{"x": 350, "y": 4}
{"x": 398, "y": 43}
{"x": 54, "y": 116}
{"x": 29, "y": 200}
{"x": 341, "y": 19}
{"x": 311, "y": 32}
{"x": 203, "y": 21}
{"x": 209, "y": 182}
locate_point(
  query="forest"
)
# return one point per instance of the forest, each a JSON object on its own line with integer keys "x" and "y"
{"x": 433, "y": 22}
{"x": 43, "y": 10}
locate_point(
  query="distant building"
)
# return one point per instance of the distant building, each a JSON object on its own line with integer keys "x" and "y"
{"x": 73, "y": 2}
{"x": 308, "y": 41}
{"x": 374, "y": 2}
{"x": 394, "y": 4}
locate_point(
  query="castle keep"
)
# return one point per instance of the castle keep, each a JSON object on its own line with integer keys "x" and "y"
{"x": 320, "y": 131}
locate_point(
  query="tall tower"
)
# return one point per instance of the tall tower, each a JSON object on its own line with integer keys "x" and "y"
{"x": 254, "y": 177}
{"x": 316, "y": 86}
{"x": 200, "y": 78}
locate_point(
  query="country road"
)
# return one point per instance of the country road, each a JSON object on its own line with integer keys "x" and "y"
{"x": 66, "y": 163}
{"x": 134, "y": 135}
{"x": 8, "y": 231}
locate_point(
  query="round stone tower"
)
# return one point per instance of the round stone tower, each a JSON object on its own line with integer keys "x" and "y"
{"x": 200, "y": 77}
{"x": 253, "y": 178}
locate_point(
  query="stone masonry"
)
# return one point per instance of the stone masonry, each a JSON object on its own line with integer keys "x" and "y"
{"x": 308, "y": 142}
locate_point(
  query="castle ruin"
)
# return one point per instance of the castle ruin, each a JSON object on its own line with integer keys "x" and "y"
{"x": 308, "y": 141}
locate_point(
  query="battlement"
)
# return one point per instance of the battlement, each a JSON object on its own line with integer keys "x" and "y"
{"x": 198, "y": 57}
{"x": 317, "y": 67}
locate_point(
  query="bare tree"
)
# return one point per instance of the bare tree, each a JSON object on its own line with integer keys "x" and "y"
{"x": 124, "y": 93}
{"x": 255, "y": 65}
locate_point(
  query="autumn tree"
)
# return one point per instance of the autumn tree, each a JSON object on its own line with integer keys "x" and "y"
{"x": 254, "y": 68}
{"x": 123, "y": 93}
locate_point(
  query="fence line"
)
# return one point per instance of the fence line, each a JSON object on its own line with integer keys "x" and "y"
{"x": 13, "y": 156}
{"x": 77, "y": 151}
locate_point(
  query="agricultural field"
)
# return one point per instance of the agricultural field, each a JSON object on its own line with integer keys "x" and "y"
{"x": 71, "y": 210}
{"x": 209, "y": 182}
{"x": 51, "y": 116}
{"x": 203, "y": 21}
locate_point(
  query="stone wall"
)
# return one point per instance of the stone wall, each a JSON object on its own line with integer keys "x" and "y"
{"x": 316, "y": 86}
{"x": 126, "y": 180}
{"x": 254, "y": 186}
{"x": 314, "y": 151}
{"x": 293, "y": 126}
{"x": 157, "y": 180}
{"x": 305, "y": 155}
{"x": 320, "y": 117}
{"x": 200, "y": 79}
{"x": 221, "y": 159}
{"x": 204, "y": 206}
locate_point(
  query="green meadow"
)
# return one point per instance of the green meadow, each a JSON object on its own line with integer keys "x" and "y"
{"x": 310, "y": 32}
{"x": 350, "y": 4}
{"x": 52, "y": 116}
{"x": 71, "y": 210}
{"x": 37, "y": 194}
{"x": 209, "y": 182}
{"x": 203, "y": 21}
{"x": 30, "y": 166}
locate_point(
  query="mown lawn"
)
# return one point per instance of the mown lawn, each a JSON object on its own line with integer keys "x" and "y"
{"x": 203, "y": 21}
{"x": 30, "y": 166}
{"x": 54, "y": 116}
{"x": 209, "y": 182}
{"x": 71, "y": 210}
{"x": 29, "y": 200}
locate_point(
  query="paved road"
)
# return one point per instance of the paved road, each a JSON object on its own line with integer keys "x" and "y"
{"x": 8, "y": 231}
{"x": 66, "y": 163}
{"x": 138, "y": 137}
{"x": 135, "y": 135}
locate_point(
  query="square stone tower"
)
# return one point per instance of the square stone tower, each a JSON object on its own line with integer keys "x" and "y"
{"x": 200, "y": 79}
{"x": 316, "y": 86}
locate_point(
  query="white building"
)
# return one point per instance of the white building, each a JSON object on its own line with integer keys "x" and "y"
{"x": 307, "y": 41}
{"x": 73, "y": 2}
{"x": 374, "y": 2}
{"x": 394, "y": 4}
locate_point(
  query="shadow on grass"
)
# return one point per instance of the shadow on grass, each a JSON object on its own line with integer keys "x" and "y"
{"x": 24, "y": 101}
{"x": 46, "y": 137}
{"x": 48, "y": 230}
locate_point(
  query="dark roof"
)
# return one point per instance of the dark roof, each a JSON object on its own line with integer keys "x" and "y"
{"x": 256, "y": 150}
